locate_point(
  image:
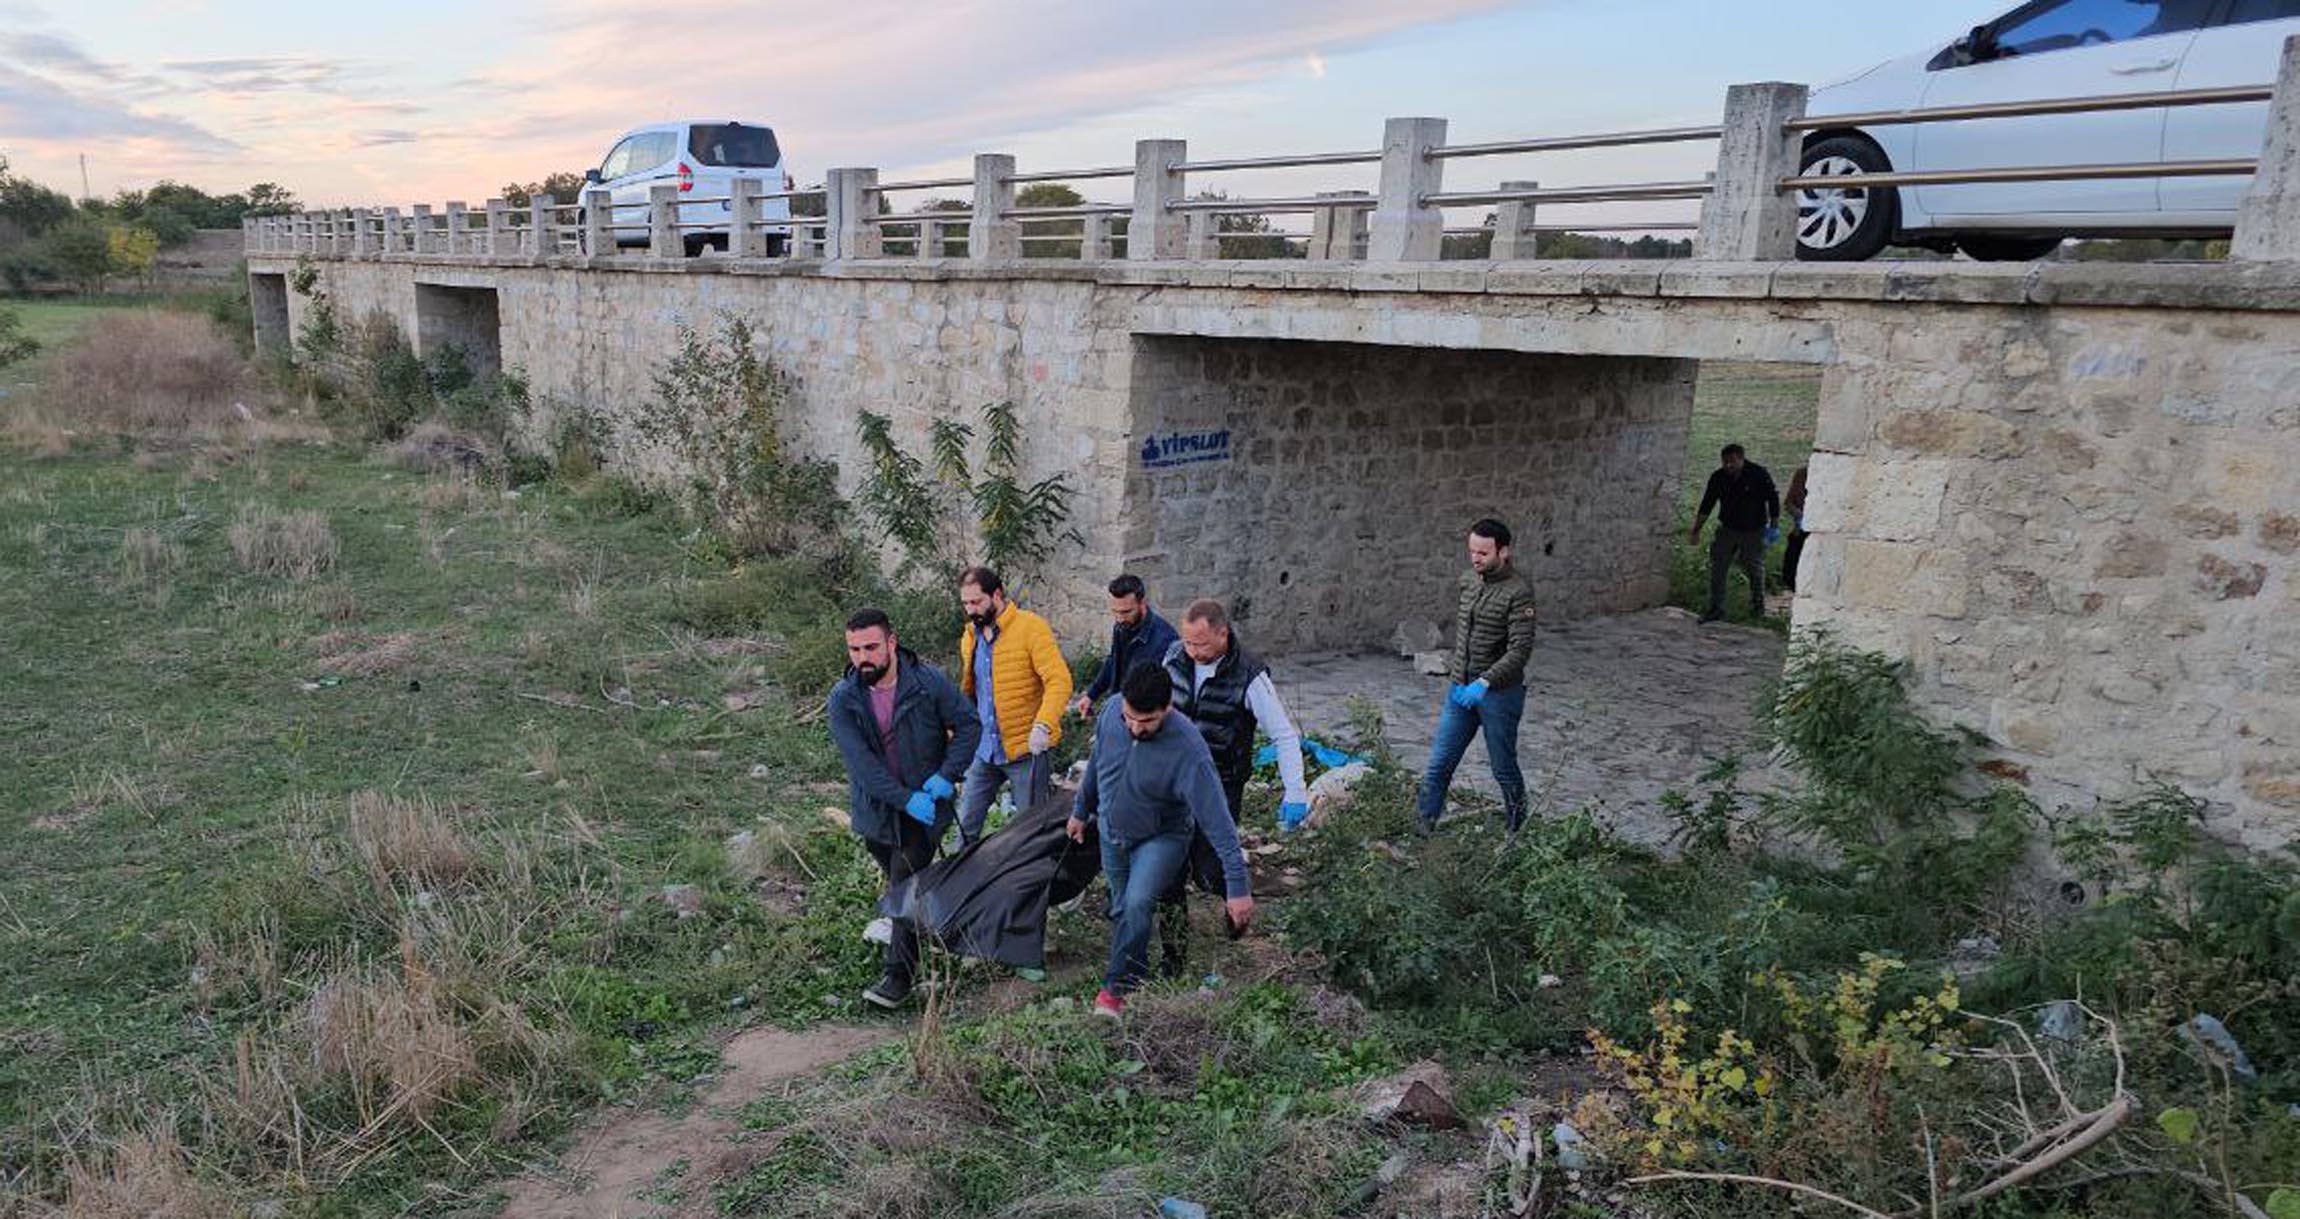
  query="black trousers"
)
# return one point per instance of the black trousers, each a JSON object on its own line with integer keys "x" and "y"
{"x": 1203, "y": 867}
{"x": 1743, "y": 548}
{"x": 1789, "y": 554}
{"x": 911, "y": 851}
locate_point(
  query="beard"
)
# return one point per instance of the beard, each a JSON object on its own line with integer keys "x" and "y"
{"x": 870, "y": 674}
{"x": 984, "y": 620}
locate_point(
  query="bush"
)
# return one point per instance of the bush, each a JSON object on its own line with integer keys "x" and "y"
{"x": 148, "y": 372}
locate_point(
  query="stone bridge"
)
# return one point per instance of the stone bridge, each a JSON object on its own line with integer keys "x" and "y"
{"x": 2068, "y": 493}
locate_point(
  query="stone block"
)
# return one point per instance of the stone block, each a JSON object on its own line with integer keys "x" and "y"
{"x": 1899, "y": 501}
{"x": 1829, "y": 491}
{"x": 2131, "y": 554}
{"x": 2228, "y": 580}
{"x": 1904, "y": 577}
{"x": 1938, "y": 433}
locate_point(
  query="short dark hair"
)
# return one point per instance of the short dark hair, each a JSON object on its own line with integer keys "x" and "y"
{"x": 868, "y": 617}
{"x": 1128, "y": 585}
{"x": 1493, "y": 529}
{"x": 984, "y": 578}
{"x": 1732, "y": 450}
{"x": 1149, "y": 689}
{"x": 1208, "y": 611}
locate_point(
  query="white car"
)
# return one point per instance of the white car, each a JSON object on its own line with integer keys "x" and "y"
{"x": 704, "y": 156}
{"x": 2041, "y": 50}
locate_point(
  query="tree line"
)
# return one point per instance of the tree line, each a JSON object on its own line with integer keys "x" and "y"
{"x": 48, "y": 240}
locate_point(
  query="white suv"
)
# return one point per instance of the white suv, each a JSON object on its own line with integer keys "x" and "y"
{"x": 2049, "y": 49}
{"x": 704, "y": 156}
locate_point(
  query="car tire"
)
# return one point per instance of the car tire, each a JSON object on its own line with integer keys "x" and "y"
{"x": 1984, "y": 247}
{"x": 1844, "y": 225}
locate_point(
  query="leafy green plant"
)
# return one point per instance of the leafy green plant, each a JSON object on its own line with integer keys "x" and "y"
{"x": 896, "y": 490}
{"x": 15, "y": 345}
{"x": 1020, "y": 524}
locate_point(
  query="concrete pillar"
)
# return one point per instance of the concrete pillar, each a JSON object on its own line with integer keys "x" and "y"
{"x": 542, "y": 226}
{"x": 1748, "y": 217}
{"x": 748, "y": 239}
{"x": 1513, "y": 235}
{"x": 1094, "y": 242}
{"x": 2268, "y": 220}
{"x": 928, "y": 241}
{"x": 993, "y": 236}
{"x": 1155, "y": 231}
{"x": 852, "y": 196}
{"x": 1403, "y": 230}
{"x": 424, "y": 236}
{"x": 598, "y": 216}
{"x": 325, "y": 244}
{"x": 458, "y": 229}
{"x": 363, "y": 237}
{"x": 1202, "y": 242}
{"x": 663, "y": 221}
{"x": 1337, "y": 232}
{"x": 499, "y": 234}
{"x": 390, "y": 237}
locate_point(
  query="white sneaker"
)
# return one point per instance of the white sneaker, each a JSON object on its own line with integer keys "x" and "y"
{"x": 880, "y": 931}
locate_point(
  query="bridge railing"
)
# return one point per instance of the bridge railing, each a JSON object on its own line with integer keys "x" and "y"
{"x": 1749, "y": 205}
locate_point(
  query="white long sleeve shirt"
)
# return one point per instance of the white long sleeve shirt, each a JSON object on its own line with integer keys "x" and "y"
{"x": 1270, "y": 715}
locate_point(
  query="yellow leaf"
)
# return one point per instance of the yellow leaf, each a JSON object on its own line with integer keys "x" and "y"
{"x": 1680, "y": 1006}
{"x": 1733, "y": 1077}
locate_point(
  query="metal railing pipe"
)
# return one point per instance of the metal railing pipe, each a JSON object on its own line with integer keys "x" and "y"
{"x": 2091, "y": 103}
{"x": 1617, "y": 139}
{"x": 1073, "y": 175}
{"x": 1623, "y": 192}
{"x": 1282, "y": 162}
{"x": 925, "y": 184}
{"x": 2025, "y": 173}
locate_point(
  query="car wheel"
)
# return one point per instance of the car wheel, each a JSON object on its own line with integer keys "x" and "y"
{"x": 1986, "y": 248}
{"x": 1844, "y": 225}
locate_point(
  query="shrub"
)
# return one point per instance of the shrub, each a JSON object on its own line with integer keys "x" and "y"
{"x": 15, "y": 345}
{"x": 147, "y": 371}
{"x": 298, "y": 545}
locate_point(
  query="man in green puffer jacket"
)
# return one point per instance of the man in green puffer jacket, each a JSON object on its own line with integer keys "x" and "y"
{"x": 1493, "y": 637}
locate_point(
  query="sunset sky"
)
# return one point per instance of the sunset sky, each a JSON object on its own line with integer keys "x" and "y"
{"x": 424, "y": 100}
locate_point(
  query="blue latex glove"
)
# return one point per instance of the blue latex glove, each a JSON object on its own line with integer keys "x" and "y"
{"x": 920, "y": 806}
{"x": 1453, "y": 694}
{"x": 1470, "y": 695}
{"x": 1292, "y": 814}
{"x": 1772, "y": 534}
{"x": 938, "y": 787}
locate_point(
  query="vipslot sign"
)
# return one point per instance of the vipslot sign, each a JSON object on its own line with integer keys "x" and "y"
{"x": 1186, "y": 448}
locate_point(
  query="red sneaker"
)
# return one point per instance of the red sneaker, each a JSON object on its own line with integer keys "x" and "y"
{"x": 1109, "y": 1005}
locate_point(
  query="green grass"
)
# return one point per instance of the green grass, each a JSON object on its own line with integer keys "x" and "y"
{"x": 1767, "y": 409}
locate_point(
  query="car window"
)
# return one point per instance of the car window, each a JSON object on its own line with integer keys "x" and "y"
{"x": 2084, "y": 23}
{"x": 653, "y": 148}
{"x": 618, "y": 159}
{"x": 2248, "y": 11}
{"x": 733, "y": 145}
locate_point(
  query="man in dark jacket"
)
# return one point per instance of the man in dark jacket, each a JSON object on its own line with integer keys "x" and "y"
{"x": 1138, "y": 636}
{"x": 1493, "y": 637}
{"x": 1748, "y": 520}
{"x": 907, "y": 735}
{"x": 1150, "y": 785}
{"x": 1226, "y": 692}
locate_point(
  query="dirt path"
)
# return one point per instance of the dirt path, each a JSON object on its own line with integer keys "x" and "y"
{"x": 616, "y": 1168}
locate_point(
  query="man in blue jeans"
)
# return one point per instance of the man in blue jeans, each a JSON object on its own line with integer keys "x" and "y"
{"x": 1493, "y": 637}
{"x": 1151, "y": 785}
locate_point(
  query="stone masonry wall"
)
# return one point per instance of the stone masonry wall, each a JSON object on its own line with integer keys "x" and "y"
{"x": 2080, "y": 528}
{"x": 1343, "y": 478}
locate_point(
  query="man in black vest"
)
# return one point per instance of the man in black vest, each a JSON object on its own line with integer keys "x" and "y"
{"x": 1226, "y": 691}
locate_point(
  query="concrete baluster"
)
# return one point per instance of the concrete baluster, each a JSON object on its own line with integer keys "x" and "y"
{"x": 458, "y": 229}
{"x": 1404, "y": 230}
{"x": 499, "y": 234}
{"x": 2268, "y": 220}
{"x": 1202, "y": 242}
{"x": 598, "y": 222}
{"x": 749, "y": 240}
{"x": 1156, "y": 230}
{"x": 1513, "y": 235}
{"x": 425, "y": 235}
{"x": 1094, "y": 241}
{"x": 1336, "y": 233}
{"x": 852, "y": 196}
{"x": 993, "y": 236}
{"x": 1748, "y": 217}
{"x": 663, "y": 221}
{"x": 542, "y": 226}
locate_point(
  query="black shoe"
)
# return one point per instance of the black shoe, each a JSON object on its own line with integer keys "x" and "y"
{"x": 1712, "y": 616}
{"x": 889, "y": 992}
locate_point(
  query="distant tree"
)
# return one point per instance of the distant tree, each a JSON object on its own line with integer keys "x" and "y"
{"x": 270, "y": 199}
{"x": 132, "y": 250}
{"x": 948, "y": 237}
{"x": 30, "y": 209}
{"x": 566, "y": 186}
{"x": 1050, "y": 194}
{"x": 1257, "y": 236}
{"x": 1469, "y": 245}
{"x": 15, "y": 345}
{"x": 80, "y": 251}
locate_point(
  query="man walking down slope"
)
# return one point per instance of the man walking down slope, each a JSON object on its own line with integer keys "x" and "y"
{"x": 1010, "y": 666}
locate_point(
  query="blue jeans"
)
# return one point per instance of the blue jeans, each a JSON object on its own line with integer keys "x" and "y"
{"x": 1498, "y": 714}
{"x": 1030, "y": 774}
{"x": 1137, "y": 872}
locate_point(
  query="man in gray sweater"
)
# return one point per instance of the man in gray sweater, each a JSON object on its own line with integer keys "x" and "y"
{"x": 1151, "y": 784}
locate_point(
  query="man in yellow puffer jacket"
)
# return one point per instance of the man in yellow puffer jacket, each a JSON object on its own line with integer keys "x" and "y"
{"x": 1010, "y": 666}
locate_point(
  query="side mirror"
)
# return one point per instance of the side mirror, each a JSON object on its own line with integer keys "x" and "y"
{"x": 591, "y": 176}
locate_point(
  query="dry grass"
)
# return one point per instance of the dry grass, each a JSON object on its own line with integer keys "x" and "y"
{"x": 143, "y": 1176}
{"x": 458, "y": 492}
{"x": 435, "y": 448}
{"x": 394, "y": 1038}
{"x": 298, "y": 545}
{"x": 145, "y": 556}
{"x": 349, "y": 654}
{"x": 142, "y": 372}
{"x": 409, "y": 841}
{"x": 332, "y": 603}
{"x": 582, "y": 597}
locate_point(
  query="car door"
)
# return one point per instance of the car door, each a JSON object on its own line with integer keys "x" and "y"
{"x": 2058, "y": 49}
{"x": 649, "y": 150}
{"x": 2243, "y": 48}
